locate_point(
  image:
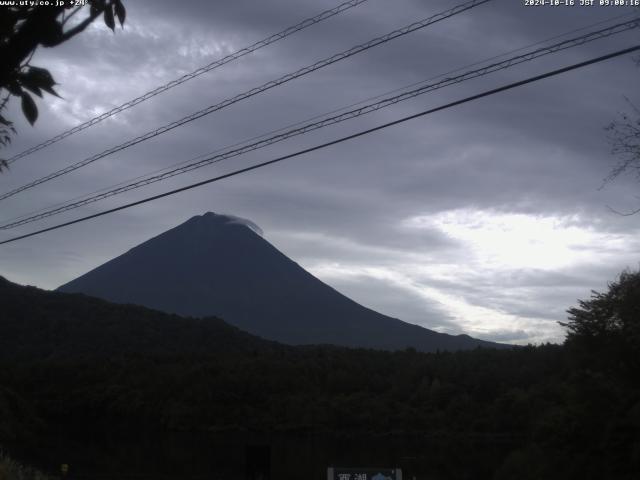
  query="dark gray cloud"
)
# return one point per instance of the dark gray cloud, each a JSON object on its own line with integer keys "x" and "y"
{"x": 410, "y": 220}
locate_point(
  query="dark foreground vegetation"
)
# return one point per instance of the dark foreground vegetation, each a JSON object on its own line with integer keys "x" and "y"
{"x": 12, "y": 470}
{"x": 570, "y": 411}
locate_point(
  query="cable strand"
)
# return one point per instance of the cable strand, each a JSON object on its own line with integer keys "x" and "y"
{"x": 254, "y": 91}
{"x": 333, "y": 142}
{"x": 189, "y": 76}
{"x": 372, "y": 107}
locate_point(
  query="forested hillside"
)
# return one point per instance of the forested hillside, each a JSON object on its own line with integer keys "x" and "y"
{"x": 570, "y": 411}
{"x": 41, "y": 325}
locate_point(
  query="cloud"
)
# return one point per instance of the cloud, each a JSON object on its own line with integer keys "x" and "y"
{"x": 485, "y": 218}
{"x": 247, "y": 223}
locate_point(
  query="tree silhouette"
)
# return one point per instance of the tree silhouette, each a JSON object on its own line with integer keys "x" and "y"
{"x": 612, "y": 313}
{"x": 624, "y": 138}
{"x": 22, "y": 30}
{"x": 607, "y": 326}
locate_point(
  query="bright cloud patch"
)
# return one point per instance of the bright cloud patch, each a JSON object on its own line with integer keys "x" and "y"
{"x": 468, "y": 317}
{"x": 505, "y": 276}
{"x": 520, "y": 241}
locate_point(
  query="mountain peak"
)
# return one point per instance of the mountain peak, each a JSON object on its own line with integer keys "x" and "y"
{"x": 216, "y": 265}
{"x": 223, "y": 220}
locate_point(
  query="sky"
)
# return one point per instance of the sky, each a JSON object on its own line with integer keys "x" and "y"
{"x": 489, "y": 218}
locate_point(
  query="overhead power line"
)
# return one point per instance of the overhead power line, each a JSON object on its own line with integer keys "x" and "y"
{"x": 325, "y": 114}
{"x": 365, "y": 109}
{"x": 254, "y": 91}
{"x": 185, "y": 78}
{"x": 334, "y": 142}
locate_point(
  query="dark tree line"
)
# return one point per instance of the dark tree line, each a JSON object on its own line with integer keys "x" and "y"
{"x": 570, "y": 411}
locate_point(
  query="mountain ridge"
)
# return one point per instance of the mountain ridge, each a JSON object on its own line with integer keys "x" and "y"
{"x": 40, "y": 324}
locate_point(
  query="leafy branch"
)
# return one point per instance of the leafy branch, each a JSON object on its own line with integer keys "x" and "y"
{"x": 22, "y": 31}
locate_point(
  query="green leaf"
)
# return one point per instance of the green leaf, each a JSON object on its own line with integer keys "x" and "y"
{"x": 108, "y": 18}
{"x": 40, "y": 78}
{"x": 34, "y": 89}
{"x": 120, "y": 11}
{"x": 29, "y": 108}
{"x": 50, "y": 34}
{"x": 14, "y": 88}
{"x": 52, "y": 92}
{"x": 97, "y": 6}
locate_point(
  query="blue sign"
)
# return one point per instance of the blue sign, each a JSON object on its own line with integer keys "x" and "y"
{"x": 338, "y": 473}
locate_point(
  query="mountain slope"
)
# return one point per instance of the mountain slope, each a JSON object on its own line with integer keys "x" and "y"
{"x": 37, "y": 324}
{"x": 217, "y": 265}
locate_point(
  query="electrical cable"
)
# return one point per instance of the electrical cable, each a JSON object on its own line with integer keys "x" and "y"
{"x": 216, "y": 157}
{"x": 333, "y": 142}
{"x": 254, "y": 91}
{"x": 189, "y": 76}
